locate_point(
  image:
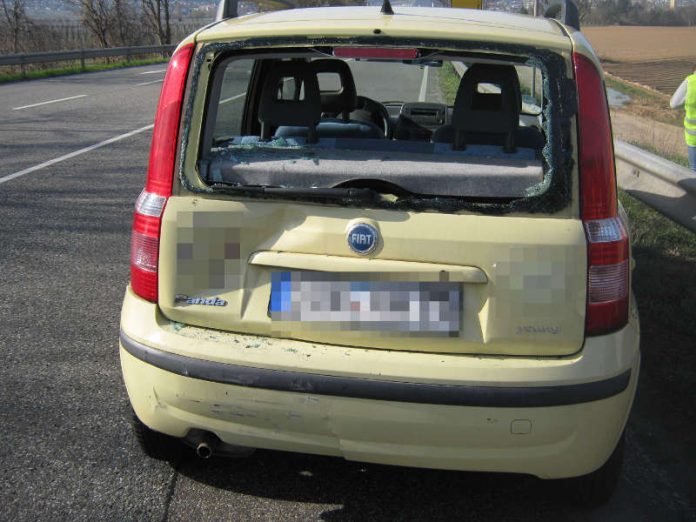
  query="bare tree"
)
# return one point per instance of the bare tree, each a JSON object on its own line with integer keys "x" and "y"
{"x": 16, "y": 18}
{"x": 124, "y": 30}
{"x": 688, "y": 14}
{"x": 585, "y": 8}
{"x": 96, "y": 15}
{"x": 157, "y": 17}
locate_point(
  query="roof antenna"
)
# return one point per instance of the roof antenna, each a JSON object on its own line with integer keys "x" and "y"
{"x": 387, "y": 8}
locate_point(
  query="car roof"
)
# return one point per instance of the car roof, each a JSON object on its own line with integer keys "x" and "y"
{"x": 407, "y": 22}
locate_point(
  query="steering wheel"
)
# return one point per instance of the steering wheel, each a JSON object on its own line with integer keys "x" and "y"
{"x": 372, "y": 111}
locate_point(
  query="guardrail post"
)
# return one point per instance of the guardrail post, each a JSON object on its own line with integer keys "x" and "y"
{"x": 82, "y": 59}
{"x": 22, "y": 67}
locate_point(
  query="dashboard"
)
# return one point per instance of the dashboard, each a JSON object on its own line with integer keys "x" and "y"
{"x": 416, "y": 121}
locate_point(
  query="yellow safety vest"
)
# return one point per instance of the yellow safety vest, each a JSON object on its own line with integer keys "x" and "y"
{"x": 690, "y": 106}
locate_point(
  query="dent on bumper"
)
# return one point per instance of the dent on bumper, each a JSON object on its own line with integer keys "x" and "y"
{"x": 383, "y": 390}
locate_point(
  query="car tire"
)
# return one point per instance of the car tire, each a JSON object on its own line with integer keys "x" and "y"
{"x": 596, "y": 488}
{"x": 155, "y": 444}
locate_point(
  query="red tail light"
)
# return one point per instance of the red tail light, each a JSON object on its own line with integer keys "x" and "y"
{"x": 607, "y": 239}
{"x": 160, "y": 176}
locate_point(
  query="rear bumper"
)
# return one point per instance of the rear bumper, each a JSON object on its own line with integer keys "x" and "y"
{"x": 548, "y": 417}
{"x": 377, "y": 389}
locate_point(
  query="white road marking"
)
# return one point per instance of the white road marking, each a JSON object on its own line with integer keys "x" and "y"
{"x": 424, "y": 84}
{"x": 148, "y": 83}
{"x": 232, "y": 98}
{"x": 75, "y": 153}
{"x": 154, "y": 72}
{"x": 47, "y": 102}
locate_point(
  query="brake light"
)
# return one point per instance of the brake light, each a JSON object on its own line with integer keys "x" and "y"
{"x": 160, "y": 176}
{"x": 376, "y": 53}
{"x": 607, "y": 238}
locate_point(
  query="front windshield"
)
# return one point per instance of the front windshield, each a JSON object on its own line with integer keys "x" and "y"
{"x": 438, "y": 82}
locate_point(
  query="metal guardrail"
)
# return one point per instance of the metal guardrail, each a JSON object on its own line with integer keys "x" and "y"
{"x": 25, "y": 59}
{"x": 667, "y": 187}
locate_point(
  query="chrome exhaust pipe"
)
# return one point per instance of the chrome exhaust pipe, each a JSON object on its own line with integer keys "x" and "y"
{"x": 203, "y": 443}
{"x": 206, "y": 445}
{"x": 203, "y": 450}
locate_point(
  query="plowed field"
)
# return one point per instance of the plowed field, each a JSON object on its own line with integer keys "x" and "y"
{"x": 657, "y": 57}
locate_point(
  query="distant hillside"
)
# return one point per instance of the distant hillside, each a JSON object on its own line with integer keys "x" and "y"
{"x": 60, "y": 9}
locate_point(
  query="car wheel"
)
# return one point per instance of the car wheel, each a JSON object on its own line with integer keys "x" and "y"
{"x": 596, "y": 488}
{"x": 154, "y": 444}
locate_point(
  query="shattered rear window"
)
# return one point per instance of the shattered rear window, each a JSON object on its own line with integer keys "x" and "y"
{"x": 440, "y": 130}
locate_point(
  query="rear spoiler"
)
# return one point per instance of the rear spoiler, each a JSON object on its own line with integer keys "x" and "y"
{"x": 565, "y": 11}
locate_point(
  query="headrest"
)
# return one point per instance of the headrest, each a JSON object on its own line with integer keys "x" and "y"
{"x": 345, "y": 100}
{"x": 477, "y": 111}
{"x": 274, "y": 110}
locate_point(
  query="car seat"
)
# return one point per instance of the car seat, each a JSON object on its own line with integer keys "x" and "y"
{"x": 303, "y": 112}
{"x": 336, "y": 103}
{"x": 489, "y": 118}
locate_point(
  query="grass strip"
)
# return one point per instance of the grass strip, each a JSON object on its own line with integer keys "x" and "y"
{"x": 77, "y": 69}
{"x": 634, "y": 91}
{"x": 664, "y": 278}
{"x": 645, "y": 102}
{"x": 664, "y": 284}
{"x": 674, "y": 158}
{"x": 449, "y": 82}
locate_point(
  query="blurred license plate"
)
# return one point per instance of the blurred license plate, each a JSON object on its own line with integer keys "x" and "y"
{"x": 409, "y": 306}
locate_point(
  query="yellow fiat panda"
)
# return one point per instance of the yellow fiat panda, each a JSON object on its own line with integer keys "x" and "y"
{"x": 387, "y": 234}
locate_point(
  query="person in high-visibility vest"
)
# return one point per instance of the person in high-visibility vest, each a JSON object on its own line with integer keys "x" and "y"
{"x": 686, "y": 95}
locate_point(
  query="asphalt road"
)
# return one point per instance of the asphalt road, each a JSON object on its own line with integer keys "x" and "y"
{"x": 67, "y": 451}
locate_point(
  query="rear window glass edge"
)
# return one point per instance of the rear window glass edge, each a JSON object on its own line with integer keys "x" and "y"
{"x": 551, "y": 195}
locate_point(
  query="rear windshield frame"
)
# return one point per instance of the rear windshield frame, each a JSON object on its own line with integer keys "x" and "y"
{"x": 550, "y": 196}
